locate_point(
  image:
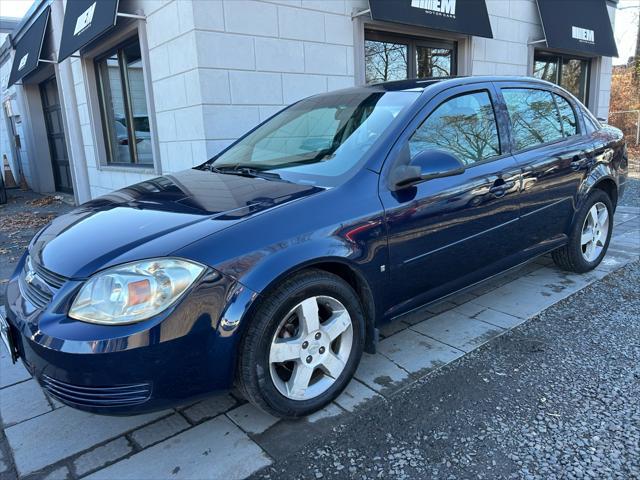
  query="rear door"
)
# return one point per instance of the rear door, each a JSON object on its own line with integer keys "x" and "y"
{"x": 548, "y": 143}
{"x": 448, "y": 232}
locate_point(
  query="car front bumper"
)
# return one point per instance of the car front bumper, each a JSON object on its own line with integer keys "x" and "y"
{"x": 186, "y": 352}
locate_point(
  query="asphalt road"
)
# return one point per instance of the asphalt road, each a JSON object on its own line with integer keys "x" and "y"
{"x": 558, "y": 397}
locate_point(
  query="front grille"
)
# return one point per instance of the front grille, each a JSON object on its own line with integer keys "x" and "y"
{"x": 52, "y": 279}
{"x": 117, "y": 396}
{"x": 38, "y": 298}
{"x": 42, "y": 285}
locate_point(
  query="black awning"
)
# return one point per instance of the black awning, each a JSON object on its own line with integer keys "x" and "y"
{"x": 84, "y": 21}
{"x": 580, "y": 26}
{"x": 28, "y": 48}
{"x": 461, "y": 16}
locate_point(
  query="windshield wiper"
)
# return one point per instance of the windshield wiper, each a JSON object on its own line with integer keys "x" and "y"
{"x": 246, "y": 170}
{"x": 243, "y": 171}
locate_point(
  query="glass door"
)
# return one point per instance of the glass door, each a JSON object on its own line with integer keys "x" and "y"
{"x": 55, "y": 136}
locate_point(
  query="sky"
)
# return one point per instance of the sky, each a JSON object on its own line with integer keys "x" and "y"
{"x": 625, "y": 31}
{"x": 14, "y": 8}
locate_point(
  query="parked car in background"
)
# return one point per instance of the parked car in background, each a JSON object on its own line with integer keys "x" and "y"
{"x": 272, "y": 265}
{"x": 142, "y": 136}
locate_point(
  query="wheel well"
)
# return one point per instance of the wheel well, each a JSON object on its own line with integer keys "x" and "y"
{"x": 363, "y": 291}
{"x": 610, "y": 188}
{"x": 355, "y": 280}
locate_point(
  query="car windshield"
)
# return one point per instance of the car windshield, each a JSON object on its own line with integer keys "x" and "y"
{"x": 320, "y": 140}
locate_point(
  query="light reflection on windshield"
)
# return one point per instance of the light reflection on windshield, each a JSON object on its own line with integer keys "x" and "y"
{"x": 319, "y": 140}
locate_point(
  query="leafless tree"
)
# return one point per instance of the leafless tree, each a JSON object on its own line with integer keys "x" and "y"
{"x": 385, "y": 61}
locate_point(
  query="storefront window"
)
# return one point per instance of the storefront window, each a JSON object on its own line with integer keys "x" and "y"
{"x": 385, "y": 61}
{"x": 568, "y": 72}
{"x": 433, "y": 62}
{"x": 124, "y": 106}
{"x": 393, "y": 57}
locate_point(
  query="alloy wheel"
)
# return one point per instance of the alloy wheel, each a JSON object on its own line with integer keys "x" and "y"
{"x": 311, "y": 347}
{"x": 595, "y": 231}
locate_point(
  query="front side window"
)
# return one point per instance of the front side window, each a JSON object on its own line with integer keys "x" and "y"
{"x": 465, "y": 126}
{"x": 533, "y": 115}
{"x": 123, "y": 105}
{"x": 390, "y": 57}
{"x": 319, "y": 140}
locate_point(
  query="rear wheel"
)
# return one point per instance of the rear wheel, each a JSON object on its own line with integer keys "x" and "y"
{"x": 590, "y": 235}
{"x": 303, "y": 345}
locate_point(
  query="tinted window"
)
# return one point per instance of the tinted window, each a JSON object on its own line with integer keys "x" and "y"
{"x": 464, "y": 125}
{"x": 590, "y": 121}
{"x": 534, "y": 117}
{"x": 567, "y": 115}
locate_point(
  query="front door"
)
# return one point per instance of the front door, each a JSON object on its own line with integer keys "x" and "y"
{"x": 448, "y": 232}
{"x": 55, "y": 136}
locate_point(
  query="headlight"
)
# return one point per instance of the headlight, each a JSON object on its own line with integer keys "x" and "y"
{"x": 133, "y": 292}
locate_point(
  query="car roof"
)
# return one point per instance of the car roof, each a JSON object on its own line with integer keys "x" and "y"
{"x": 419, "y": 85}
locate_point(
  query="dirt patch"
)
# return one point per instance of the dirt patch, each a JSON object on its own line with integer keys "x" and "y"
{"x": 44, "y": 201}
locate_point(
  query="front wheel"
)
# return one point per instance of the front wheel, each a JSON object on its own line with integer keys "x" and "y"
{"x": 590, "y": 235}
{"x": 303, "y": 345}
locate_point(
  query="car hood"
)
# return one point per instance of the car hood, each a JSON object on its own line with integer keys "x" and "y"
{"x": 155, "y": 218}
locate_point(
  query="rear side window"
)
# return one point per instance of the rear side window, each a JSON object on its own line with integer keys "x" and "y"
{"x": 463, "y": 125}
{"x": 534, "y": 117}
{"x": 567, "y": 116}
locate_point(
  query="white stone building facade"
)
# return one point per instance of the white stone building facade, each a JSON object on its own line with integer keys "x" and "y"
{"x": 210, "y": 70}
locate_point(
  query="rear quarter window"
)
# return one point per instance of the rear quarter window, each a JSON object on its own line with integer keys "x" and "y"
{"x": 590, "y": 122}
{"x": 567, "y": 116}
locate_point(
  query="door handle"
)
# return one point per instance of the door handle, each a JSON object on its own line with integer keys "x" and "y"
{"x": 499, "y": 188}
{"x": 578, "y": 163}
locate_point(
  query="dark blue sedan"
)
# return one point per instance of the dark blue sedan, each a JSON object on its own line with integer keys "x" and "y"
{"x": 272, "y": 265}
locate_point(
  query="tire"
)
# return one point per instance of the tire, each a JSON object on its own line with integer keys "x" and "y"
{"x": 574, "y": 256}
{"x": 282, "y": 317}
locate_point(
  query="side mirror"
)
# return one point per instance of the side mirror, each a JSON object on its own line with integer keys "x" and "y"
{"x": 426, "y": 165}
